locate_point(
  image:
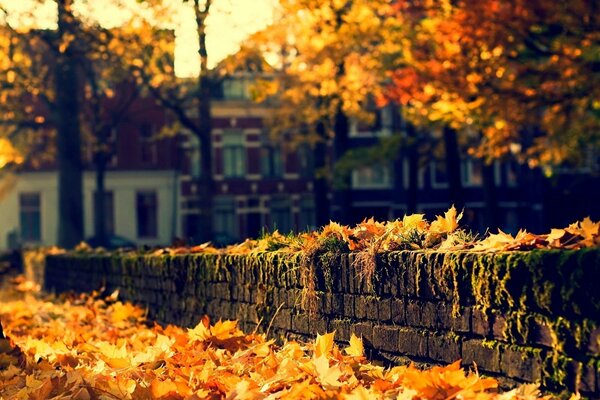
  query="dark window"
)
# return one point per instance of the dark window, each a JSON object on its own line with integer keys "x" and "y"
{"x": 30, "y": 217}
{"x": 306, "y": 160}
{"x": 281, "y": 217}
{"x": 234, "y": 154}
{"x": 372, "y": 177}
{"x": 271, "y": 161}
{"x": 147, "y": 144}
{"x": 306, "y": 221}
{"x": 224, "y": 219}
{"x": 147, "y": 218}
{"x": 439, "y": 175}
{"x": 109, "y": 211}
{"x": 472, "y": 172}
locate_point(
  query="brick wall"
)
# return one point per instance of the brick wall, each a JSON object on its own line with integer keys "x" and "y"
{"x": 525, "y": 317}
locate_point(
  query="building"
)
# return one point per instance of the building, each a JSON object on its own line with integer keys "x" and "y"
{"x": 260, "y": 183}
{"x": 266, "y": 184}
{"x": 142, "y": 188}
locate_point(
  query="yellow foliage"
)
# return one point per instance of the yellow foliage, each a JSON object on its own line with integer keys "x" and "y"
{"x": 85, "y": 358}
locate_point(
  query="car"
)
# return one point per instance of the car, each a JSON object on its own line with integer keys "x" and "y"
{"x": 112, "y": 242}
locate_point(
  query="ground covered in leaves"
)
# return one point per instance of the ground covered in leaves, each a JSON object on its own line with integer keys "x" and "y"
{"x": 90, "y": 348}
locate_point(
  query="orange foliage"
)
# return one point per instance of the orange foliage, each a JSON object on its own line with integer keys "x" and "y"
{"x": 412, "y": 232}
{"x": 71, "y": 349}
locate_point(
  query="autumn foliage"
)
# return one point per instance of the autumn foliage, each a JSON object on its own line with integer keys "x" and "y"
{"x": 412, "y": 232}
{"x": 88, "y": 348}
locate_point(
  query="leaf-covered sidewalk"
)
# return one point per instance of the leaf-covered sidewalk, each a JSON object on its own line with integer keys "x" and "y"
{"x": 90, "y": 348}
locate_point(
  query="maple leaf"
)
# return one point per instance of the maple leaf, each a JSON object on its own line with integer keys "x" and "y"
{"x": 123, "y": 311}
{"x": 327, "y": 376}
{"x": 359, "y": 393}
{"x": 448, "y": 223}
{"x": 356, "y": 348}
{"x": 162, "y": 388}
{"x": 200, "y": 332}
{"x": 495, "y": 242}
{"x": 324, "y": 344}
{"x": 225, "y": 329}
{"x": 415, "y": 221}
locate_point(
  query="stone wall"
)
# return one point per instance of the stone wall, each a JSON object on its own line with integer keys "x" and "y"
{"x": 520, "y": 316}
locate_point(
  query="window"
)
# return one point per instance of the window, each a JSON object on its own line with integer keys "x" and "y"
{"x": 30, "y": 217}
{"x": 235, "y": 89}
{"x": 306, "y": 160}
{"x": 512, "y": 174}
{"x": 147, "y": 218}
{"x": 109, "y": 211}
{"x": 234, "y": 153}
{"x": 306, "y": 220}
{"x": 373, "y": 177}
{"x": 472, "y": 172}
{"x": 382, "y": 124}
{"x": 195, "y": 157}
{"x": 271, "y": 161}
{"x": 281, "y": 217}
{"x": 147, "y": 145}
{"x": 224, "y": 219}
{"x": 439, "y": 175}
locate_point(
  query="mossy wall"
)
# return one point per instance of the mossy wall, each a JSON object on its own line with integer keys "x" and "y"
{"x": 524, "y": 316}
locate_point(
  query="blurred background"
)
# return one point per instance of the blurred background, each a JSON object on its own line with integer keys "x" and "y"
{"x": 148, "y": 122}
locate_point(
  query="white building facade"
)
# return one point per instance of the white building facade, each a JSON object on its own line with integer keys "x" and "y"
{"x": 141, "y": 206}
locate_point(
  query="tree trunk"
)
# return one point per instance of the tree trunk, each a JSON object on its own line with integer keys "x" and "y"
{"x": 70, "y": 171}
{"x": 204, "y": 131}
{"x": 453, "y": 163}
{"x": 490, "y": 195}
{"x": 100, "y": 160}
{"x": 413, "y": 171}
{"x": 320, "y": 180}
{"x": 342, "y": 202}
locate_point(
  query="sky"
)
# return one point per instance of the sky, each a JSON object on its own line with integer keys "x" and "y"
{"x": 229, "y": 23}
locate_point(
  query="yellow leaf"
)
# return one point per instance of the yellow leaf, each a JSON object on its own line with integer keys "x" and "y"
{"x": 414, "y": 221}
{"x": 225, "y": 329}
{"x": 162, "y": 388}
{"x": 359, "y": 393}
{"x": 324, "y": 344}
{"x": 327, "y": 376}
{"x": 448, "y": 223}
{"x": 356, "y": 348}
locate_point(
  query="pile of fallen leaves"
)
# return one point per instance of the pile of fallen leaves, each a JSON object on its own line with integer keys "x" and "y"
{"x": 87, "y": 348}
{"x": 413, "y": 232}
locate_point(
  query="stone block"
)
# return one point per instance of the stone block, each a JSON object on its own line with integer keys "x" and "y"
{"x": 398, "y": 311}
{"x": 283, "y": 319}
{"x": 372, "y": 308}
{"x": 484, "y": 354}
{"x": 385, "y": 338}
{"x": 413, "y": 313}
{"x": 593, "y": 345}
{"x": 360, "y": 307}
{"x": 349, "y": 306}
{"x": 443, "y": 348}
{"x": 385, "y": 309}
{"x": 499, "y": 326}
{"x": 341, "y": 328}
{"x": 300, "y": 323}
{"x": 588, "y": 384}
{"x": 480, "y": 323}
{"x": 521, "y": 363}
{"x": 540, "y": 333}
{"x": 430, "y": 315}
{"x": 412, "y": 343}
{"x": 364, "y": 330}
{"x": 317, "y": 325}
